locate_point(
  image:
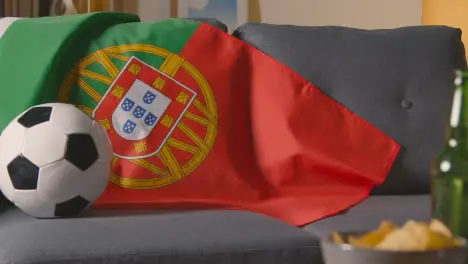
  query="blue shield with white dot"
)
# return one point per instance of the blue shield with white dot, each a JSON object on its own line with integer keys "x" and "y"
{"x": 139, "y": 112}
{"x": 150, "y": 119}
{"x": 149, "y": 97}
{"x": 127, "y": 104}
{"x": 129, "y": 126}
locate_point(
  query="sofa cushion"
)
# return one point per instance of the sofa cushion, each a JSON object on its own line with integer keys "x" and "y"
{"x": 175, "y": 237}
{"x": 369, "y": 213}
{"x": 400, "y": 80}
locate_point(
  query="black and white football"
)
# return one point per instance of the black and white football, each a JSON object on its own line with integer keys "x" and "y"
{"x": 54, "y": 161}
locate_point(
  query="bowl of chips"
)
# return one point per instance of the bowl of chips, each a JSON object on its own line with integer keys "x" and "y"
{"x": 412, "y": 243}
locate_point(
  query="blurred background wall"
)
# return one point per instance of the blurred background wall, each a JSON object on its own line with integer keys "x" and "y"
{"x": 447, "y": 12}
{"x": 354, "y": 13}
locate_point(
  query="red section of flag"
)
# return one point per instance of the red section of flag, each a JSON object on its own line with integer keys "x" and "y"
{"x": 282, "y": 148}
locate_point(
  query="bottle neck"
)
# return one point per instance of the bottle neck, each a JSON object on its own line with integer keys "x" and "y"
{"x": 457, "y": 136}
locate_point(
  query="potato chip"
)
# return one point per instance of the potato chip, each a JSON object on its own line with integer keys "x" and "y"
{"x": 412, "y": 236}
{"x": 426, "y": 238}
{"x": 399, "y": 240}
{"x": 373, "y": 238}
{"x": 439, "y": 241}
{"x": 337, "y": 238}
{"x": 387, "y": 227}
{"x": 411, "y": 224}
{"x": 370, "y": 239}
{"x": 438, "y": 226}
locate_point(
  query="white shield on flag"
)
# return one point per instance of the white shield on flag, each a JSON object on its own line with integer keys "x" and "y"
{"x": 139, "y": 111}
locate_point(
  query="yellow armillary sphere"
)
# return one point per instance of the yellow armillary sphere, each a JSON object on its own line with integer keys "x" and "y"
{"x": 182, "y": 124}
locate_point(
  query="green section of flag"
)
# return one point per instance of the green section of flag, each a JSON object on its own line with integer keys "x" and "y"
{"x": 171, "y": 35}
{"x": 36, "y": 54}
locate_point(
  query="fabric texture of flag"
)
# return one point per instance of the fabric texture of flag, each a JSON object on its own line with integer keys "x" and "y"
{"x": 197, "y": 117}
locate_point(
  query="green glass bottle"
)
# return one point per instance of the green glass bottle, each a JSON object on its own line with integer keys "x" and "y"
{"x": 450, "y": 168}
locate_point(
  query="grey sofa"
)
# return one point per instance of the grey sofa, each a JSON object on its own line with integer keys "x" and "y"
{"x": 399, "y": 80}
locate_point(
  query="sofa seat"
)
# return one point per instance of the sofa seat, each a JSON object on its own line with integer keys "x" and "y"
{"x": 369, "y": 213}
{"x": 212, "y": 236}
{"x": 164, "y": 237}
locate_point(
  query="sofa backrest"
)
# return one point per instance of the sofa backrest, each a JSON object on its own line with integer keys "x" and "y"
{"x": 212, "y": 21}
{"x": 400, "y": 80}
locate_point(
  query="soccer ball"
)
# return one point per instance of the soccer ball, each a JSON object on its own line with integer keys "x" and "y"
{"x": 54, "y": 161}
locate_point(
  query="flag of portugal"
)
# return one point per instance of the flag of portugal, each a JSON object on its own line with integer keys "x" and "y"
{"x": 197, "y": 117}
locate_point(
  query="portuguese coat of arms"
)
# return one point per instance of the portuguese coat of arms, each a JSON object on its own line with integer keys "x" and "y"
{"x": 141, "y": 109}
